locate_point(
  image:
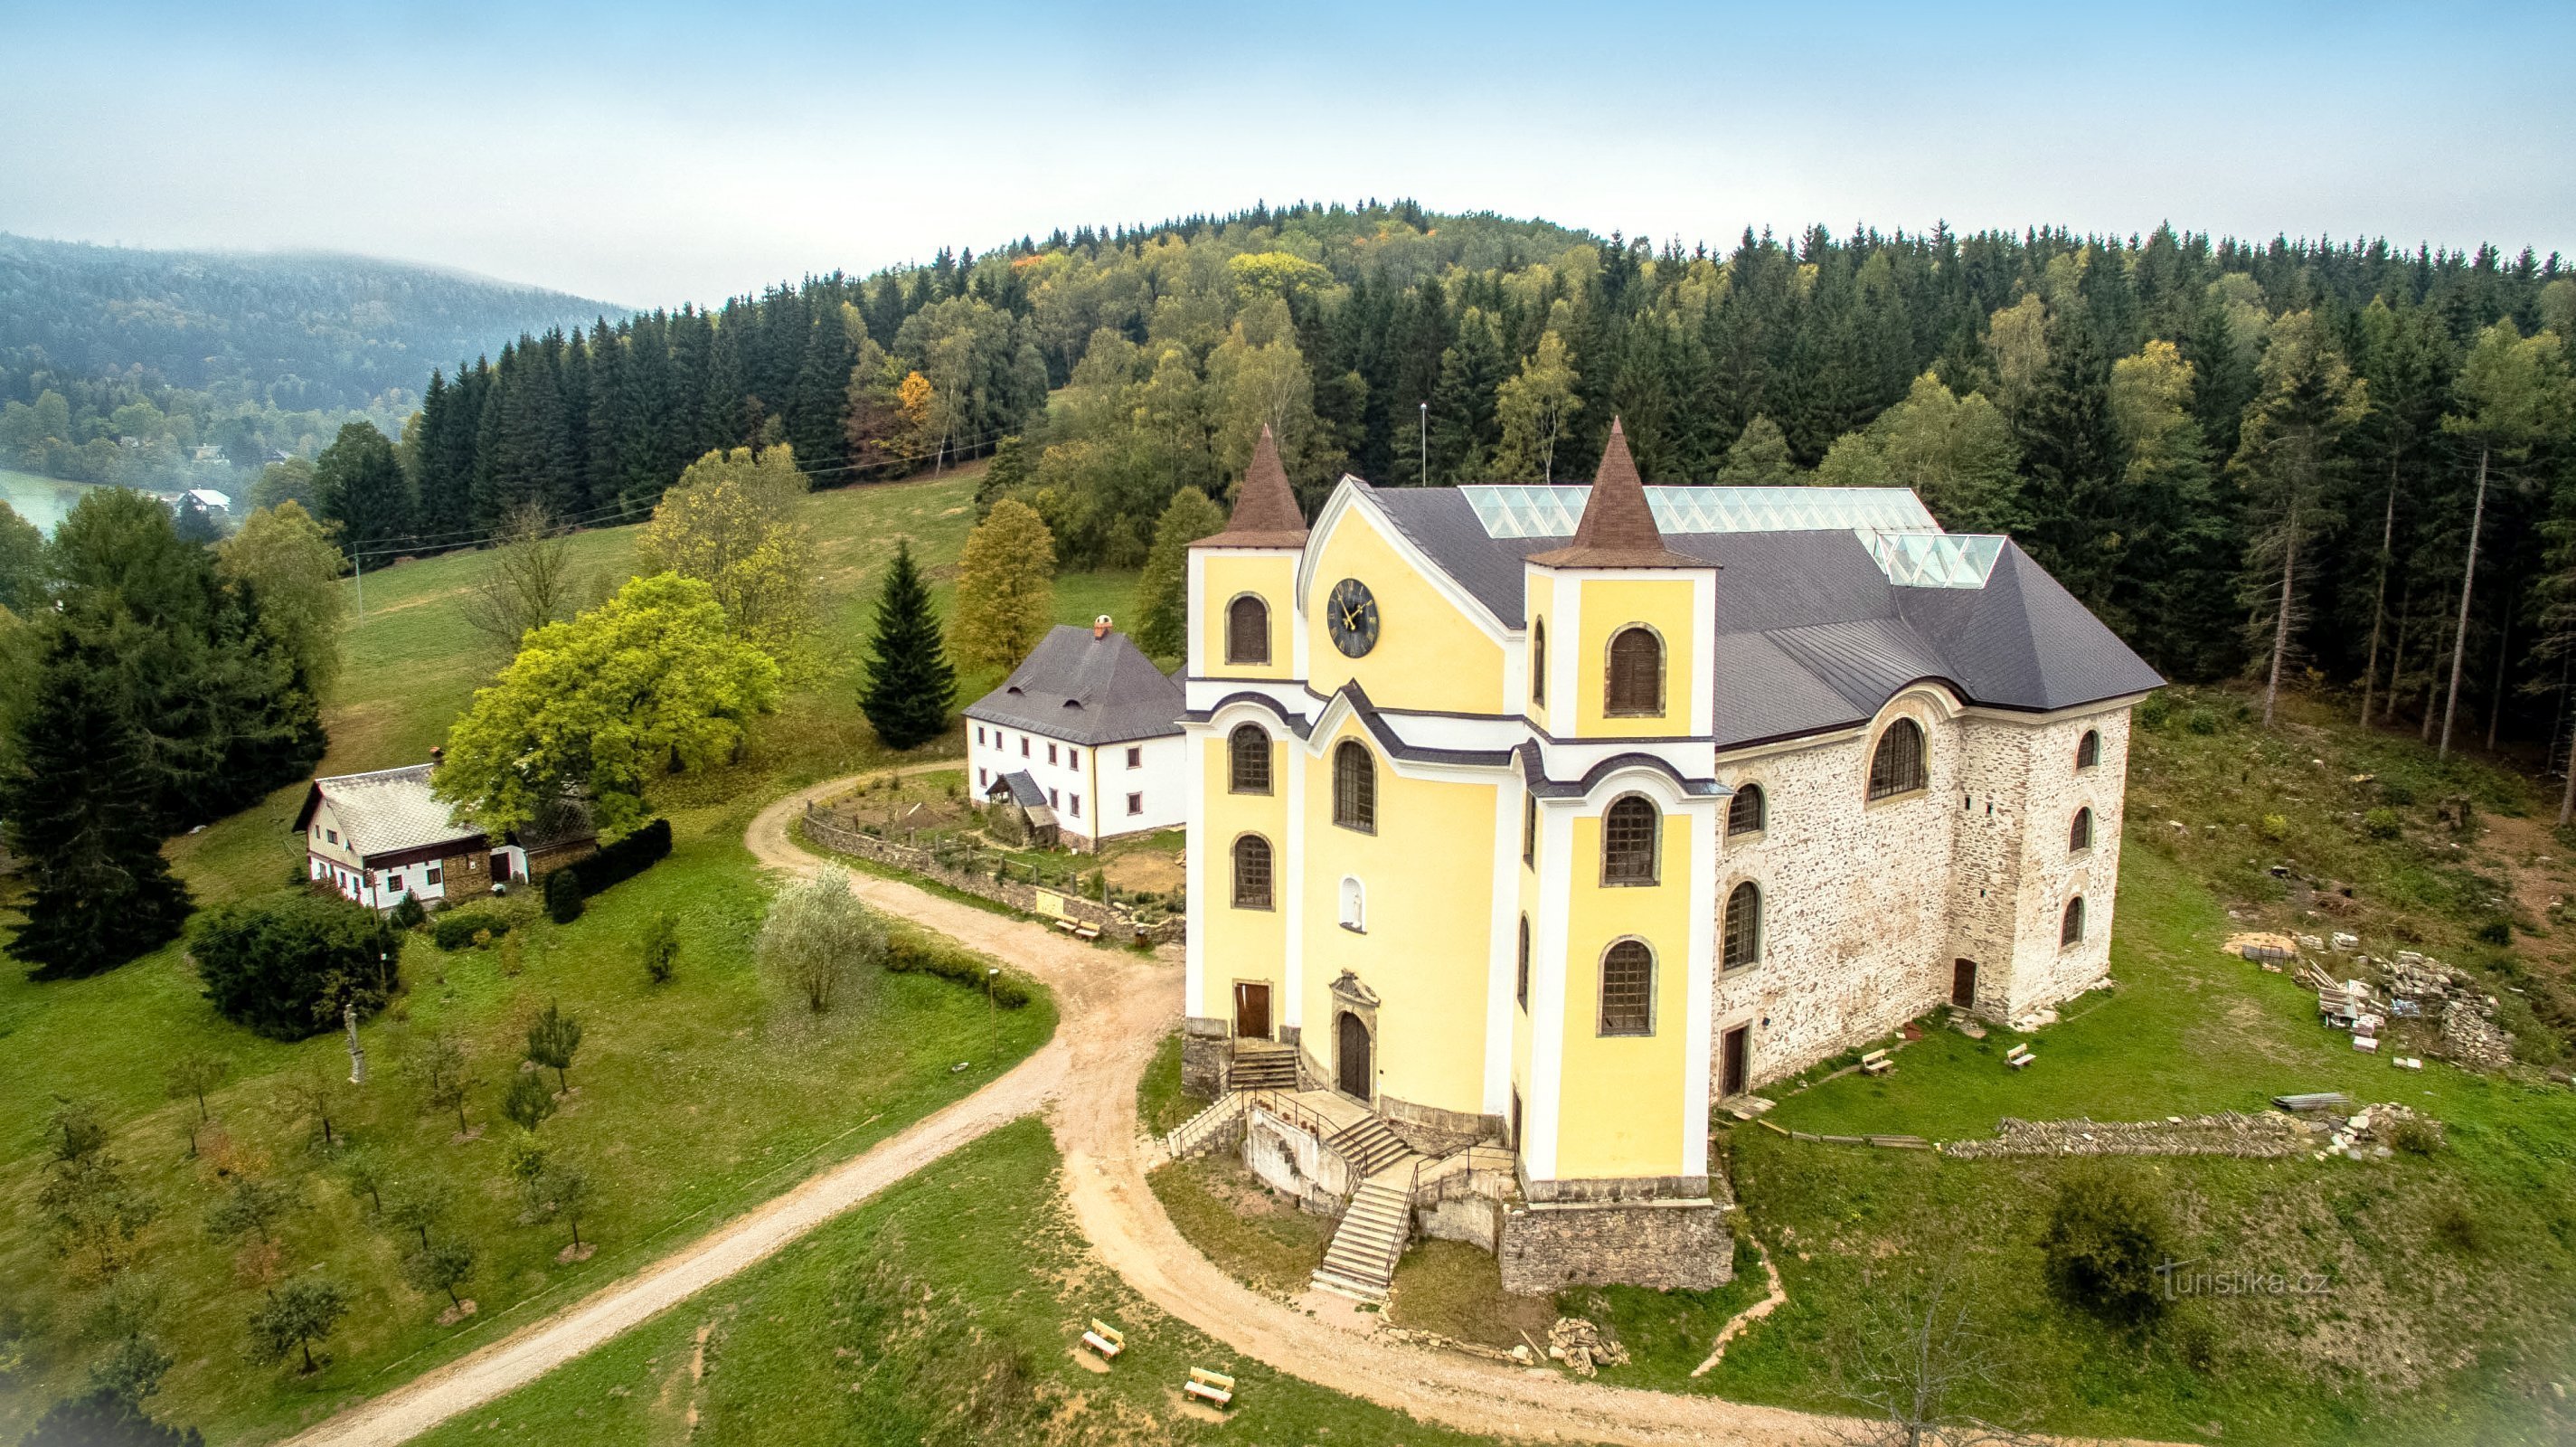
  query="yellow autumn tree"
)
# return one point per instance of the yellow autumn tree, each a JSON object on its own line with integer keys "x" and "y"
{"x": 912, "y": 398}
{"x": 1005, "y": 588}
{"x": 730, "y": 522}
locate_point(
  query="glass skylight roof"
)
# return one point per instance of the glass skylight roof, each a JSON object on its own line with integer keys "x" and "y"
{"x": 1891, "y": 522}
{"x": 1541, "y": 511}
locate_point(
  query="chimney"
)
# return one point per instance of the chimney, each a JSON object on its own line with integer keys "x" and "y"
{"x": 1100, "y": 626}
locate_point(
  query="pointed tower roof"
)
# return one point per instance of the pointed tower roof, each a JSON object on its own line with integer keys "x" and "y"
{"x": 1265, "y": 511}
{"x": 1618, "y": 528}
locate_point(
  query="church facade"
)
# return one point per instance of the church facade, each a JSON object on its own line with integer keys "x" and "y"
{"x": 1547, "y": 817}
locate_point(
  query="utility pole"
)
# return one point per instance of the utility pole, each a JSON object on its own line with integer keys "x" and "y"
{"x": 357, "y": 1053}
{"x": 358, "y": 564}
{"x": 1426, "y": 444}
{"x": 993, "y": 1012}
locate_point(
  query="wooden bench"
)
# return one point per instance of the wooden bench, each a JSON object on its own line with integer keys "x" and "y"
{"x": 2019, "y": 1056}
{"x": 1105, "y": 1340}
{"x": 1876, "y": 1063}
{"x": 1215, "y": 1387}
{"x": 1086, "y": 932}
{"x": 1068, "y": 926}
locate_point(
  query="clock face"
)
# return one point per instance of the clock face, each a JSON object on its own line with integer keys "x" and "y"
{"x": 1351, "y": 615}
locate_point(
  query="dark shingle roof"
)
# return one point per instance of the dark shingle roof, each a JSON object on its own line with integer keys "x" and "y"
{"x": 1265, "y": 508}
{"x": 1811, "y": 635}
{"x": 1618, "y": 528}
{"x": 1085, "y": 690}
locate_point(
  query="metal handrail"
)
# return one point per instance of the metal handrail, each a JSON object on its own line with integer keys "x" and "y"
{"x": 1285, "y": 1105}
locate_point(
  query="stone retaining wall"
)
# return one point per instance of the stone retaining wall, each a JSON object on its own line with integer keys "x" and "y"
{"x": 2251, "y": 1137}
{"x": 1111, "y": 920}
{"x": 1670, "y": 1246}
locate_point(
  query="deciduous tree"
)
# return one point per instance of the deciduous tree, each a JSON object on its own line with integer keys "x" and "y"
{"x": 1163, "y": 593}
{"x": 1534, "y": 409}
{"x": 730, "y": 522}
{"x": 1005, "y": 588}
{"x": 294, "y": 1317}
{"x": 819, "y": 942}
{"x": 553, "y": 1037}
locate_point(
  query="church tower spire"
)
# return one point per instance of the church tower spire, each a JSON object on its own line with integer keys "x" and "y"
{"x": 1265, "y": 510}
{"x": 1618, "y": 528}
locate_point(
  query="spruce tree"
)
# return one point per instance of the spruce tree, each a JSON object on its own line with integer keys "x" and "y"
{"x": 910, "y": 684}
{"x": 79, "y": 806}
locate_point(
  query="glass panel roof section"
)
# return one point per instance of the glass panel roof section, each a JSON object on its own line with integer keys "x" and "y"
{"x": 1891, "y": 522}
{"x": 1543, "y": 511}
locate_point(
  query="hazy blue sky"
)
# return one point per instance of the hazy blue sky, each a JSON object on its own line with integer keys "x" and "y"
{"x": 652, "y": 153}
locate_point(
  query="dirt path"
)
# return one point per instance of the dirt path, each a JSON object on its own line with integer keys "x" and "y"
{"x": 1115, "y": 1007}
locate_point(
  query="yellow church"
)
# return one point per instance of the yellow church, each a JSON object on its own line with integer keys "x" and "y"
{"x": 1527, "y": 823}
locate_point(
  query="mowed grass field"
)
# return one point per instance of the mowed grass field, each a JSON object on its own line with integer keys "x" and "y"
{"x": 692, "y": 1100}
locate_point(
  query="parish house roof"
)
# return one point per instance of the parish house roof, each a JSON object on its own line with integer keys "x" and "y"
{"x": 1086, "y": 689}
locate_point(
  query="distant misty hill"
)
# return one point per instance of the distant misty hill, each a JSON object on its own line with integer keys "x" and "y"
{"x": 303, "y": 330}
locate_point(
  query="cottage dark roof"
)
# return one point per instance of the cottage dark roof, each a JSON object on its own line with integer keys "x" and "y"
{"x": 1019, "y": 788}
{"x": 388, "y": 811}
{"x": 1618, "y": 528}
{"x": 1811, "y": 634}
{"x": 1085, "y": 690}
{"x": 1265, "y": 510}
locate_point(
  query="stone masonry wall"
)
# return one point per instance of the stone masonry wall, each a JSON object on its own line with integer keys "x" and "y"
{"x": 1677, "y": 1246}
{"x": 2043, "y": 973}
{"x": 1109, "y": 919}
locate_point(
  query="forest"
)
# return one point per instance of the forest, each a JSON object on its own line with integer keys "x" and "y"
{"x": 2233, "y": 451}
{"x": 120, "y": 365}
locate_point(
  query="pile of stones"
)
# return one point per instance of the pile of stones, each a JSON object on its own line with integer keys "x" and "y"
{"x": 2369, "y": 1132}
{"x": 1583, "y": 1347}
{"x": 2228, "y": 1133}
{"x": 2425, "y": 988}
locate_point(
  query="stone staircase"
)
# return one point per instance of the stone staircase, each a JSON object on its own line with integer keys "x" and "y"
{"x": 1262, "y": 1065}
{"x": 1360, "y": 1263}
{"x": 1368, "y": 1145}
{"x": 1216, "y": 1126}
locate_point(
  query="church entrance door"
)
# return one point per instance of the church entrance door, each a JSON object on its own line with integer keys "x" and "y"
{"x": 1356, "y": 1072}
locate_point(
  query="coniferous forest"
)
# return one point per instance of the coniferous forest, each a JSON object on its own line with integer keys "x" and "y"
{"x": 2199, "y": 436}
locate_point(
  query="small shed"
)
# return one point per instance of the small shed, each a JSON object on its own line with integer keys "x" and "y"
{"x": 1019, "y": 810}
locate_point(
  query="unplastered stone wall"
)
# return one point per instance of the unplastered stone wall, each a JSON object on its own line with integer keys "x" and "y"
{"x": 1856, "y": 907}
{"x": 2043, "y": 973}
{"x": 1672, "y": 1246}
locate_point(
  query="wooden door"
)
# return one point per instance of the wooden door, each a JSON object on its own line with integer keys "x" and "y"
{"x": 1252, "y": 1011}
{"x": 1963, "y": 983}
{"x": 1356, "y": 1072}
{"x": 1735, "y": 1053}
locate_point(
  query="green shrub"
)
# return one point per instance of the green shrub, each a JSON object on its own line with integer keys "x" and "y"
{"x": 912, "y": 956}
{"x": 563, "y": 895}
{"x": 2380, "y": 824}
{"x": 408, "y": 914}
{"x": 628, "y": 857}
{"x": 2107, "y": 1234}
{"x": 2458, "y": 1229}
{"x": 2201, "y": 720}
{"x": 2395, "y": 794}
{"x": 2415, "y": 1136}
{"x": 2497, "y": 932}
{"x": 286, "y": 965}
{"x": 2275, "y": 827}
{"x": 456, "y": 928}
{"x": 2155, "y": 710}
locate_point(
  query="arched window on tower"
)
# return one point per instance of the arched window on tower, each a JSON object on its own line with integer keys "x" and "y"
{"x": 1247, "y": 630}
{"x": 1538, "y": 660}
{"x": 1628, "y": 989}
{"x": 1747, "y": 812}
{"x": 2079, "y": 836}
{"x": 1354, "y": 787}
{"x": 1897, "y": 767}
{"x": 1247, "y": 760}
{"x": 1636, "y": 673}
{"x": 1252, "y": 872}
{"x": 2071, "y": 931}
{"x": 1628, "y": 829}
{"x": 1520, "y": 978}
{"x": 1742, "y": 942}
{"x": 2088, "y": 749}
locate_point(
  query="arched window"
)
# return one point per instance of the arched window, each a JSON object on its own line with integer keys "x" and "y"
{"x": 1538, "y": 660}
{"x": 2080, "y": 836}
{"x": 1354, "y": 787}
{"x": 1520, "y": 980}
{"x": 1628, "y": 841}
{"x": 1252, "y": 872}
{"x": 1636, "y": 673}
{"x": 2088, "y": 749}
{"x": 1897, "y": 767}
{"x": 1628, "y": 989}
{"x": 1354, "y": 905}
{"x": 1247, "y": 630}
{"x": 1247, "y": 760}
{"x": 1745, "y": 814}
{"x": 2072, "y": 931}
{"x": 1743, "y": 933}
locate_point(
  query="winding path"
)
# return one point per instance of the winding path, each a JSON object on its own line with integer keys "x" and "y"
{"x": 1114, "y": 1008}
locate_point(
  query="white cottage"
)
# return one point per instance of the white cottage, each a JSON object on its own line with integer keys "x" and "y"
{"x": 1086, "y": 731}
{"x": 380, "y": 837}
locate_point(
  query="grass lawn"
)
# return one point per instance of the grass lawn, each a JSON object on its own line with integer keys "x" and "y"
{"x": 693, "y": 1100}
{"x": 943, "y": 1312}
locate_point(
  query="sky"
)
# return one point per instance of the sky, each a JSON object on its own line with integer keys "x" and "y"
{"x": 652, "y": 152}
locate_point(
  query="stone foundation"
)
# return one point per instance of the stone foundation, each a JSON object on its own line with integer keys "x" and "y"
{"x": 1203, "y": 1056}
{"x": 1434, "y": 1132}
{"x": 1665, "y": 1245}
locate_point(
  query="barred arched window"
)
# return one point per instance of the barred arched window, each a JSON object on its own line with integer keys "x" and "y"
{"x": 2088, "y": 749}
{"x": 1628, "y": 989}
{"x": 1247, "y": 630}
{"x": 1636, "y": 673}
{"x": 1247, "y": 760}
{"x": 1520, "y": 988}
{"x": 1354, "y": 787}
{"x": 1252, "y": 872}
{"x": 2079, "y": 837}
{"x": 1628, "y": 841}
{"x": 1538, "y": 660}
{"x": 1746, "y": 813}
{"x": 1897, "y": 766}
{"x": 1743, "y": 932}
{"x": 2072, "y": 931}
